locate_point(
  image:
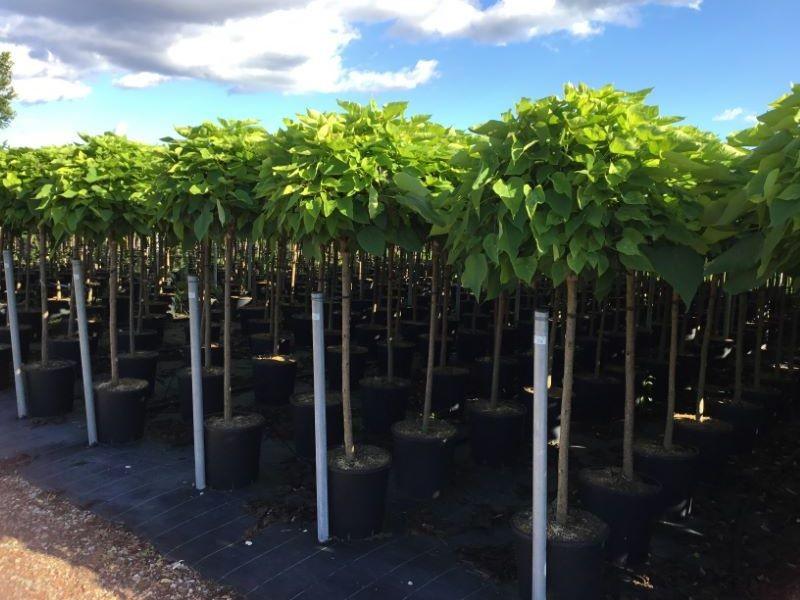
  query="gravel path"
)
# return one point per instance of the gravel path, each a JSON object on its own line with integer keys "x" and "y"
{"x": 49, "y": 549}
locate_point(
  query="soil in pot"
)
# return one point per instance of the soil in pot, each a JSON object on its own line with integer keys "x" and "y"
{"x": 357, "y": 491}
{"x": 422, "y": 461}
{"x": 140, "y": 365}
{"x": 212, "y": 382}
{"x": 49, "y": 387}
{"x": 273, "y": 379}
{"x": 303, "y": 422}
{"x": 574, "y": 555}
{"x": 383, "y": 402}
{"x": 495, "y": 433}
{"x": 675, "y": 469}
{"x": 66, "y": 348}
{"x": 629, "y": 507}
{"x": 333, "y": 365}
{"x": 120, "y": 410}
{"x": 403, "y": 357}
{"x": 713, "y": 439}
{"x": 449, "y": 393}
{"x": 233, "y": 450}
{"x": 146, "y": 339}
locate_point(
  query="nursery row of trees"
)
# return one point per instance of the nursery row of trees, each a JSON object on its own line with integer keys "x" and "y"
{"x": 595, "y": 184}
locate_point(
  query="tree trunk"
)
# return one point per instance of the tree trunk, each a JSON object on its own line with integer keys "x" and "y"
{"x": 760, "y": 313}
{"x": 562, "y": 494}
{"x": 72, "y": 307}
{"x": 43, "y": 291}
{"x": 630, "y": 388}
{"x": 276, "y": 311}
{"x": 27, "y": 300}
{"x": 741, "y": 319}
{"x": 206, "y": 269}
{"x": 426, "y": 410}
{"x": 131, "y": 336}
{"x": 112, "y": 309}
{"x": 390, "y": 314}
{"x": 349, "y": 448}
{"x": 498, "y": 342}
{"x": 226, "y": 339}
{"x": 673, "y": 363}
{"x": 598, "y": 351}
{"x": 142, "y": 284}
{"x": 445, "y": 305}
{"x": 701, "y": 382}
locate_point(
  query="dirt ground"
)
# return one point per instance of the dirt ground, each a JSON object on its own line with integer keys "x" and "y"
{"x": 49, "y": 549}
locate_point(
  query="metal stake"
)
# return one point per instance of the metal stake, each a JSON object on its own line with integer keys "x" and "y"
{"x": 86, "y": 357}
{"x": 539, "y": 524}
{"x": 13, "y": 324}
{"x": 320, "y": 430}
{"x": 197, "y": 385}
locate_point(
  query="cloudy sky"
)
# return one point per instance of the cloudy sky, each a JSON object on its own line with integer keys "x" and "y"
{"x": 141, "y": 67}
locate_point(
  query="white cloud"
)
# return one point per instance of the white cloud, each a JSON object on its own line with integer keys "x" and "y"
{"x": 729, "y": 114}
{"x": 290, "y": 46}
{"x": 142, "y": 79}
{"x": 43, "y": 79}
{"x": 751, "y": 119}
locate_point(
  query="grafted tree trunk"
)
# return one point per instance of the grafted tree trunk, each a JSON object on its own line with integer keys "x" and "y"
{"x": 226, "y": 339}
{"x": 390, "y": 314}
{"x": 630, "y": 387}
{"x": 131, "y": 334}
{"x": 562, "y": 493}
{"x": 701, "y": 382}
{"x": 113, "y": 283}
{"x": 741, "y": 319}
{"x": 43, "y": 291}
{"x": 426, "y": 410}
{"x": 500, "y": 317}
{"x": 673, "y": 363}
{"x": 206, "y": 269}
{"x": 349, "y": 447}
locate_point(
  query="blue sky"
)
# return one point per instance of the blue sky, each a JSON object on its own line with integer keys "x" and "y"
{"x": 717, "y": 64}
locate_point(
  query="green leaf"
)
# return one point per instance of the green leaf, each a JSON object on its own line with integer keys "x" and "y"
{"x": 410, "y": 184}
{"x": 202, "y": 223}
{"x": 739, "y": 257}
{"x": 680, "y": 266}
{"x": 372, "y": 240}
{"x": 475, "y": 271}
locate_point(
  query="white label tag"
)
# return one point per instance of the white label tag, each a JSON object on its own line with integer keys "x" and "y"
{"x": 192, "y": 296}
{"x": 315, "y": 316}
{"x": 540, "y": 340}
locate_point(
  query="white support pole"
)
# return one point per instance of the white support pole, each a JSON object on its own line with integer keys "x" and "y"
{"x": 13, "y": 325}
{"x": 320, "y": 427}
{"x": 197, "y": 385}
{"x": 86, "y": 357}
{"x": 539, "y": 523}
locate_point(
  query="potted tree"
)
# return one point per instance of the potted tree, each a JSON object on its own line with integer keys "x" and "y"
{"x": 214, "y": 195}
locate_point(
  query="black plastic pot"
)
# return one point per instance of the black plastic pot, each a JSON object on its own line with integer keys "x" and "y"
{"x": 383, "y": 402}
{"x": 574, "y": 566}
{"x": 482, "y": 375}
{"x": 66, "y": 348}
{"x": 495, "y": 434}
{"x": 233, "y": 450}
{"x": 357, "y": 492}
{"x": 145, "y": 340}
{"x": 369, "y": 334}
{"x": 120, "y": 410}
{"x": 770, "y": 399}
{"x": 411, "y": 330}
{"x": 713, "y": 439}
{"x": 217, "y": 355}
{"x": 525, "y": 398}
{"x": 746, "y": 418}
{"x": 597, "y": 399}
{"x": 261, "y": 343}
{"x": 157, "y": 323}
{"x": 215, "y": 333}
{"x": 675, "y": 470}
{"x": 5, "y": 366}
{"x": 49, "y": 388}
{"x": 213, "y": 385}
{"x": 300, "y": 326}
{"x": 449, "y": 391}
{"x": 303, "y": 422}
{"x": 333, "y": 365}
{"x": 403, "y": 357}
{"x": 472, "y": 344}
{"x": 25, "y": 337}
{"x": 422, "y": 461}
{"x": 30, "y": 319}
{"x": 273, "y": 379}
{"x": 629, "y": 510}
{"x": 140, "y": 365}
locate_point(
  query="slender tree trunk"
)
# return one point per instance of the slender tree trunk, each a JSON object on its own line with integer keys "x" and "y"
{"x": 426, "y": 410}
{"x": 741, "y": 319}
{"x": 349, "y": 447}
{"x": 445, "y": 305}
{"x": 295, "y": 257}
{"x": 562, "y": 494}
{"x": 498, "y": 342}
{"x": 112, "y": 309}
{"x": 781, "y": 320}
{"x": 630, "y": 387}
{"x": 760, "y": 314}
{"x": 226, "y": 339}
{"x": 72, "y": 308}
{"x": 701, "y": 382}
{"x": 43, "y": 291}
{"x": 131, "y": 334}
{"x": 142, "y": 284}
{"x": 673, "y": 363}
{"x": 276, "y": 332}
{"x": 598, "y": 351}
{"x": 206, "y": 270}
{"x": 27, "y": 300}
{"x": 390, "y": 314}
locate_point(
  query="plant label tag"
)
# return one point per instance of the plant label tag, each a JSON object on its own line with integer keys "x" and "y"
{"x": 315, "y": 316}
{"x": 192, "y": 295}
{"x": 540, "y": 340}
